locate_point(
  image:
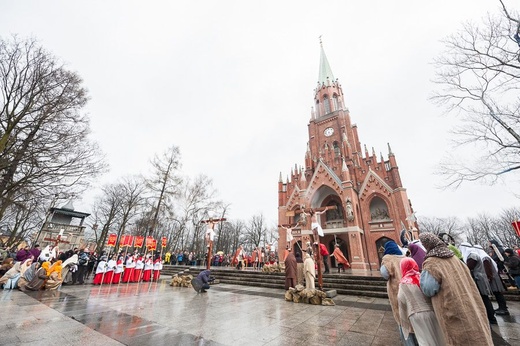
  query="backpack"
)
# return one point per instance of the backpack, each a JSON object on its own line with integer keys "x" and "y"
{"x": 83, "y": 260}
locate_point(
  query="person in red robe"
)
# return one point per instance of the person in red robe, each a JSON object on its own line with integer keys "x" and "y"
{"x": 100, "y": 270}
{"x": 139, "y": 265}
{"x": 148, "y": 266}
{"x": 157, "y": 267}
{"x": 109, "y": 274}
{"x": 238, "y": 259}
{"x": 128, "y": 274}
{"x": 118, "y": 270}
{"x": 340, "y": 258}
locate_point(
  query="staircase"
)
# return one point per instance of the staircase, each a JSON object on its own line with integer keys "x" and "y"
{"x": 347, "y": 284}
{"x": 343, "y": 283}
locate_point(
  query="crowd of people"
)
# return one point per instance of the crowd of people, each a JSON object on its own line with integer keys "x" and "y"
{"x": 35, "y": 269}
{"x": 439, "y": 293}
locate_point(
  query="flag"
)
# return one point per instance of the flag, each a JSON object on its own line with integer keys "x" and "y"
{"x": 139, "y": 240}
{"x": 516, "y": 227}
{"x": 149, "y": 242}
{"x": 112, "y": 238}
{"x": 163, "y": 241}
{"x": 127, "y": 240}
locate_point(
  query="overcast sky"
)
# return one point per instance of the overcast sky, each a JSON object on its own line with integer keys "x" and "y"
{"x": 231, "y": 84}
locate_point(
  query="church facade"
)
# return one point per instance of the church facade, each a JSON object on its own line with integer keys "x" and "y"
{"x": 366, "y": 202}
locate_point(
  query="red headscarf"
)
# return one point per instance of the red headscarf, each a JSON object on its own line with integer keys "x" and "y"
{"x": 410, "y": 272}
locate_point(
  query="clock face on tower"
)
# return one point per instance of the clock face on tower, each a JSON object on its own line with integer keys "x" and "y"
{"x": 328, "y": 131}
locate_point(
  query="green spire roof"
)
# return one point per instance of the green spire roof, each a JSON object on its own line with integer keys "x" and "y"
{"x": 325, "y": 70}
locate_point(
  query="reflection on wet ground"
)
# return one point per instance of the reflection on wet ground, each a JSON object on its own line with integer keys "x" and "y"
{"x": 226, "y": 315}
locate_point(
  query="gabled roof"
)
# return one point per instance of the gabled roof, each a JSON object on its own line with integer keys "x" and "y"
{"x": 371, "y": 173}
{"x": 293, "y": 197}
{"x": 328, "y": 171}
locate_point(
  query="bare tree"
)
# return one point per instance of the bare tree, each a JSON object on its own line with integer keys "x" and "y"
{"x": 450, "y": 225}
{"x": 479, "y": 79}
{"x": 482, "y": 228}
{"x": 107, "y": 210}
{"x": 255, "y": 231}
{"x": 164, "y": 182}
{"x": 44, "y": 144}
{"x": 132, "y": 191}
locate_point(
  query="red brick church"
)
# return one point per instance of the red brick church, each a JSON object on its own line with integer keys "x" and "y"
{"x": 372, "y": 205}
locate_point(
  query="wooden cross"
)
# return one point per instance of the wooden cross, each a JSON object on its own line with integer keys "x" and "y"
{"x": 211, "y": 222}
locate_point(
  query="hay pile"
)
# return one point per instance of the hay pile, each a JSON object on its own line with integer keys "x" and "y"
{"x": 272, "y": 268}
{"x": 300, "y": 294}
{"x": 181, "y": 280}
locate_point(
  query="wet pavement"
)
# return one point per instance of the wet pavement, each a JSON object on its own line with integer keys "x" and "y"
{"x": 159, "y": 314}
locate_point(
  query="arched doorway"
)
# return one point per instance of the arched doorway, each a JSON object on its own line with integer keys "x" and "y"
{"x": 297, "y": 248}
{"x": 343, "y": 246}
{"x": 380, "y": 247}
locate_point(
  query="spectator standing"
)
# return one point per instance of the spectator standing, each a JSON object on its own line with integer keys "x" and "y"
{"x": 512, "y": 261}
{"x": 83, "y": 259}
{"x": 325, "y": 255}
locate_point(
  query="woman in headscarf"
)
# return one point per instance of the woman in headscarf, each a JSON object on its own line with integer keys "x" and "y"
{"x": 415, "y": 309}
{"x": 28, "y": 274}
{"x": 391, "y": 271}
{"x": 476, "y": 268}
{"x": 495, "y": 282}
{"x": 12, "y": 273}
{"x": 455, "y": 297}
{"x": 417, "y": 253}
{"x": 38, "y": 281}
{"x": 55, "y": 279}
{"x": 69, "y": 266}
{"x": 25, "y": 265}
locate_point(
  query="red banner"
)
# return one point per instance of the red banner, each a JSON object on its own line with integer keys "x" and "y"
{"x": 112, "y": 238}
{"x": 127, "y": 240}
{"x": 150, "y": 243}
{"x": 516, "y": 227}
{"x": 139, "y": 240}
{"x": 163, "y": 241}
{"x": 154, "y": 245}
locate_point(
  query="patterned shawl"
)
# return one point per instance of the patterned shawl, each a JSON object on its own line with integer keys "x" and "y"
{"x": 434, "y": 246}
{"x": 410, "y": 272}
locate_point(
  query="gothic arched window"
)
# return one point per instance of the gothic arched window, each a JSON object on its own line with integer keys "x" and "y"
{"x": 378, "y": 210}
{"x": 326, "y": 104}
{"x": 318, "y": 109}
{"x": 337, "y": 151}
{"x": 335, "y": 103}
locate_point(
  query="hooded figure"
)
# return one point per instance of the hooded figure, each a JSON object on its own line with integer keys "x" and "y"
{"x": 309, "y": 270}
{"x": 417, "y": 253}
{"x": 454, "y": 295}
{"x": 415, "y": 309}
{"x": 391, "y": 271}
{"x": 476, "y": 267}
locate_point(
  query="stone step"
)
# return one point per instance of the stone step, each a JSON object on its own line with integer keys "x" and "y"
{"x": 347, "y": 284}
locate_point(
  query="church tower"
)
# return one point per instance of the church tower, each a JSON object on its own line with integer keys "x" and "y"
{"x": 371, "y": 204}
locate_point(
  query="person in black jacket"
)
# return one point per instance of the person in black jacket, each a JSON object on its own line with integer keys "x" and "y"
{"x": 512, "y": 262}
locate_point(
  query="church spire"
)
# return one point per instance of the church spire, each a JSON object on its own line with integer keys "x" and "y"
{"x": 325, "y": 70}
